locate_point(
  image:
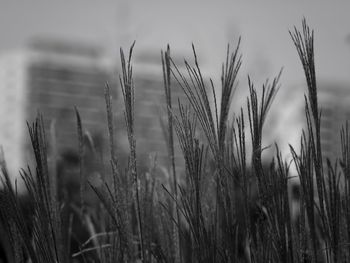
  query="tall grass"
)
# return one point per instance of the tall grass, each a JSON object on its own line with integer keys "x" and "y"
{"x": 231, "y": 206}
{"x": 170, "y": 145}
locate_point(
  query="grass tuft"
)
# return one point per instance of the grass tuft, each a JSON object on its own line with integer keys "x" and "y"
{"x": 223, "y": 208}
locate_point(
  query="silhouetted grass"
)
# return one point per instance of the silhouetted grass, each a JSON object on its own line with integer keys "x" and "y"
{"x": 231, "y": 207}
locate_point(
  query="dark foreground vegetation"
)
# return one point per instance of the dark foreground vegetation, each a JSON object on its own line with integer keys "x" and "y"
{"x": 227, "y": 211}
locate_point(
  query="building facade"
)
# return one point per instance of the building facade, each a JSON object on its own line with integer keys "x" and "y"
{"x": 51, "y": 77}
{"x": 333, "y": 102}
{"x": 151, "y": 111}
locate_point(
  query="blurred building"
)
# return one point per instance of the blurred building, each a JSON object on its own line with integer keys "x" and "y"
{"x": 333, "y": 101}
{"x": 335, "y": 112}
{"x": 151, "y": 111}
{"x": 51, "y": 77}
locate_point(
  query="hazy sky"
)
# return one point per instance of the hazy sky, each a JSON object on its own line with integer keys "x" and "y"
{"x": 263, "y": 25}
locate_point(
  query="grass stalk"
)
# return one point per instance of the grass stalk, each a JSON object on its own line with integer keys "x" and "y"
{"x": 127, "y": 86}
{"x": 170, "y": 143}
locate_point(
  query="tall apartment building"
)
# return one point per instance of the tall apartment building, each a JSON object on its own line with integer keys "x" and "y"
{"x": 151, "y": 109}
{"x": 335, "y": 111}
{"x": 50, "y": 77}
{"x": 333, "y": 101}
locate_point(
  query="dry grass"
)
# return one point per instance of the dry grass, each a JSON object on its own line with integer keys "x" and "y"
{"x": 226, "y": 211}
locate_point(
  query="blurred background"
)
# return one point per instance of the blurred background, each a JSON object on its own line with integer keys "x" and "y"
{"x": 55, "y": 55}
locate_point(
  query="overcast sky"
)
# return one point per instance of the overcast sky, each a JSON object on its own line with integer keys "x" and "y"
{"x": 210, "y": 25}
